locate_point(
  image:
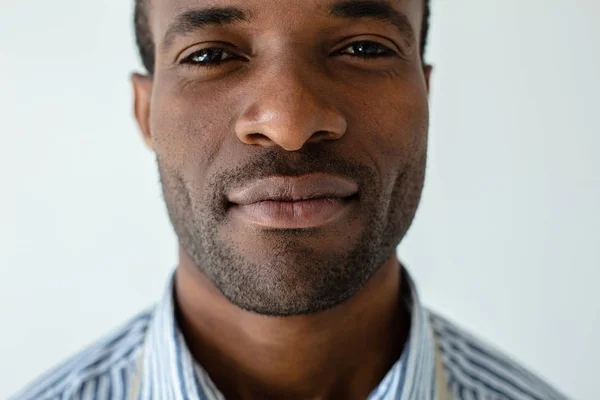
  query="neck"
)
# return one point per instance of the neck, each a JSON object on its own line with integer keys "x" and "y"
{"x": 343, "y": 352}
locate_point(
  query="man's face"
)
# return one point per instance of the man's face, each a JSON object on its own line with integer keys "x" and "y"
{"x": 291, "y": 141}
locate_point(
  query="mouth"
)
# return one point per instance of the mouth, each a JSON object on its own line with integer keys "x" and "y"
{"x": 283, "y": 202}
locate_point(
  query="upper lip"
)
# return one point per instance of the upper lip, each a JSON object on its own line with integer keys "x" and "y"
{"x": 288, "y": 188}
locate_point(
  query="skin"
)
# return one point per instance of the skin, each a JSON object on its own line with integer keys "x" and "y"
{"x": 288, "y": 313}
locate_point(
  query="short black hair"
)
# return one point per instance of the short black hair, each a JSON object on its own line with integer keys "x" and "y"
{"x": 145, "y": 42}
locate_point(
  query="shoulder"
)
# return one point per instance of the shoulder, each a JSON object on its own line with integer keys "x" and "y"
{"x": 477, "y": 370}
{"x": 101, "y": 371}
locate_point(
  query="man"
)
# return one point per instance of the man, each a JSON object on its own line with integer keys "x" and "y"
{"x": 291, "y": 140}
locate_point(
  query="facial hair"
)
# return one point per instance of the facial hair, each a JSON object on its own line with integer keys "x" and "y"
{"x": 289, "y": 277}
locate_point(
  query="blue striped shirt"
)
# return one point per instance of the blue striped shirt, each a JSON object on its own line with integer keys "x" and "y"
{"x": 105, "y": 370}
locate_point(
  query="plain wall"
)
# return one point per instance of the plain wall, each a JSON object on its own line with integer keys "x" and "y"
{"x": 506, "y": 242}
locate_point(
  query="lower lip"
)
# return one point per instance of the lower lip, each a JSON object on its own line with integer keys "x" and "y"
{"x": 292, "y": 215}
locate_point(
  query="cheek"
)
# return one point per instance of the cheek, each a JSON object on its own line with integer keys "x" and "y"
{"x": 392, "y": 126}
{"x": 408, "y": 124}
{"x": 188, "y": 129}
{"x": 405, "y": 113}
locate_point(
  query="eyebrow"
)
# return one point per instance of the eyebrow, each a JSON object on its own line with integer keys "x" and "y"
{"x": 192, "y": 20}
{"x": 380, "y": 10}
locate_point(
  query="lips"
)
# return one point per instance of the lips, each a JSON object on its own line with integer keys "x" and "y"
{"x": 293, "y": 202}
{"x": 289, "y": 189}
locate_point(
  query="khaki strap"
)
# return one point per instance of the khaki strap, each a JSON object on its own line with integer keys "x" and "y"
{"x": 137, "y": 378}
{"x": 442, "y": 391}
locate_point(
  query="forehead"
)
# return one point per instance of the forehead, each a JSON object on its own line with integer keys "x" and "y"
{"x": 302, "y": 14}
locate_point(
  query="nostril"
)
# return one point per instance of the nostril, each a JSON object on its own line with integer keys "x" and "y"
{"x": 256, "y": 138}
{"x": 322, "y": 135}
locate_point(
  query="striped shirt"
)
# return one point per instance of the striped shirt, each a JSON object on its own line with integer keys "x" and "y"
{"x": 153, "y": 342}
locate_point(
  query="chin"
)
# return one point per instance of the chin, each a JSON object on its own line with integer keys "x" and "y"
{"x": 291, "y": 272}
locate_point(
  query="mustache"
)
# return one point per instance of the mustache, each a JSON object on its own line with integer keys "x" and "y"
{"x": 279, "y": 162}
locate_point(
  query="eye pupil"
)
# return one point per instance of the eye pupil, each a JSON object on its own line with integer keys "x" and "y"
{"x": 209, "y": 56}
{"x": 368, "y": 48}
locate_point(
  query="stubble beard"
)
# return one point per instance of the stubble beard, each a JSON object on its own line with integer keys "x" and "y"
{"x": 291, "y": 278}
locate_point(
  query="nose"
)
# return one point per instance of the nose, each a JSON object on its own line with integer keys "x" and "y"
{"x": 289, "y": 111}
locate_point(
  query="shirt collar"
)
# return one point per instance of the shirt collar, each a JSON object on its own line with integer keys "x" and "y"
{"x": 169, "y": 371}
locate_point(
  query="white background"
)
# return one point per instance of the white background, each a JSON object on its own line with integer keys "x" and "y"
{"x": 506, "y": 242}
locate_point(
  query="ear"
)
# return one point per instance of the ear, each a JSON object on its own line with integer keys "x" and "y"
{"x": 427, "y": 69}
{"x": 142, "y": 92}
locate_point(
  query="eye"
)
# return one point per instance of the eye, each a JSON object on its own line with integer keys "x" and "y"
{"x": 210, "y": 57}
{"x": 367, "y": 49}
